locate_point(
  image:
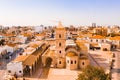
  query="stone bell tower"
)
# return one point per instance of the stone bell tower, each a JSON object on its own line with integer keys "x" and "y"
{"x": 60, "y": 40}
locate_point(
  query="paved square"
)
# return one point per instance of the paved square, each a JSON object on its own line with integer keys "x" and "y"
{"x": 62, "y": 74}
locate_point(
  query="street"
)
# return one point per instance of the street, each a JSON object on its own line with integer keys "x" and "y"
{"x": 4, "y": 62}
{"x": 116, "y": 66}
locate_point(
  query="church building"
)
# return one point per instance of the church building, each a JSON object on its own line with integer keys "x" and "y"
{"x": 66, "y": 52}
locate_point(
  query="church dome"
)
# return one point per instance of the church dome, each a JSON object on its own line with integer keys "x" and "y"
{"x": 71, "y": 54}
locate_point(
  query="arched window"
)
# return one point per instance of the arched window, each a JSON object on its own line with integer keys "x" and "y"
{"x": 75, "y": 61}
{"x": 91, "y": 40}
{"x": 71, "y": 62}
{"x": 59, "y": 35}
{"x": 102, "y": 40}
{"x": 9, "y": 71}
{"x": 59, "y": 51}
{"x": 82, "y": 63}
{"x": 59, "y": 44}
{"x": 96, "y": 40}
{"x": 20, "y": 71}
{"x": 59, "y": 62}
{"x": 67, "y": 61}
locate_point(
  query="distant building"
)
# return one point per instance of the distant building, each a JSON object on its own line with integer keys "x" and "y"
{"x": 93, "y": 24}
{"x": 38, "y": 28}
{"x": 100, "y": 31}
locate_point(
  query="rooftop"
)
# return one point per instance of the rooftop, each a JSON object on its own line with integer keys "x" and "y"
{"x": 114, "y": 38}
{"x": 71, "y": 54}
{"x": 97, "y": 37}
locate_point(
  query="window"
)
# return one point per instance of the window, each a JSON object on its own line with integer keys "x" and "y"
{"x": 59, "y": 51}
{"x": 71, "y": 62}
{"x": 67, "y": 61}
{"x": 59, "y": 62}
{"x": 75, "y": 62}
{"x": 82, "y": 63}
{"x": 9, "y": 71}
{"x": 96, "y": 40}
{"x": 59, "y": 44}
{"x": 102, "y": 40}
{"x": 20, "y": 71}
{"x": 91, "y": 40}
{"x": 59, "y": 35}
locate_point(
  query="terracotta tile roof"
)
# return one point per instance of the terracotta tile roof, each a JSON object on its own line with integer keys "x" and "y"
{"x": 81, "y": 41}
{"x": 115, "y": 38}
{"x": 9, "y": 35}
{"x": 71, "y": 54}
{"x": 80, "y": 36}
{"x": 26, "y": 35}
{"x": 10, "y": 44}
{"x": 97, "y": 37}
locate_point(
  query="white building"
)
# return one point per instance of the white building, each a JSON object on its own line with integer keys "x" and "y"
{"x": 15, "y": 68}
{"x": 105, "y": 47}
{"x": 97, "y": 39}
{"x": 38, "y": 28}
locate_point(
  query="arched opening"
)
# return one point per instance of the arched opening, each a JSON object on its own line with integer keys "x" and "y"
{"x": 113, "y": 46}
{"x": 48, "y": 62}
{"x": 26, "y": 71}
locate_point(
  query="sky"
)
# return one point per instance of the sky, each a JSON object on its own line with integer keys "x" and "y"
{"x": 69, "y": 12}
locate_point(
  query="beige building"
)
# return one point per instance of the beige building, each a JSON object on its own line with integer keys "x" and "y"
{"x": 100, "y": 31}
{"x": 66, "y": 54}
{"x": 115, "y": 41}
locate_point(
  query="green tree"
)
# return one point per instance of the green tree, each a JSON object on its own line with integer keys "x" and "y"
{"x": 2, "y": 42}
{"x": 93, "y": 73}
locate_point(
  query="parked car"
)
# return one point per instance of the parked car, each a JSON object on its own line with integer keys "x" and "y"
{"x": 7, "y": 57}
{"x": 10, "y": 53}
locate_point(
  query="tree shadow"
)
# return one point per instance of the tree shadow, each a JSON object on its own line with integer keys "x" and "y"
{"x": 115, "y": 70}
{"x": 46, "y": 69}
{"x": 101, "y": 59}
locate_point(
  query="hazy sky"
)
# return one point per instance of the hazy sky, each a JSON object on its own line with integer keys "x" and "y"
{"x": 47, "y": 12}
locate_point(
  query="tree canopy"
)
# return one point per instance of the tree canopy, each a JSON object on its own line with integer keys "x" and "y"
{"x": 2, "y": 42}
{"x": 93, "y": 73}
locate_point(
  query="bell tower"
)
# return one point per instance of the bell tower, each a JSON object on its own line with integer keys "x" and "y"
{"x": 60, "y": 40}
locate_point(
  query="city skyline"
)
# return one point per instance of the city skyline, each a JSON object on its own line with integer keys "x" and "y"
{"x": 47, "y": 12}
